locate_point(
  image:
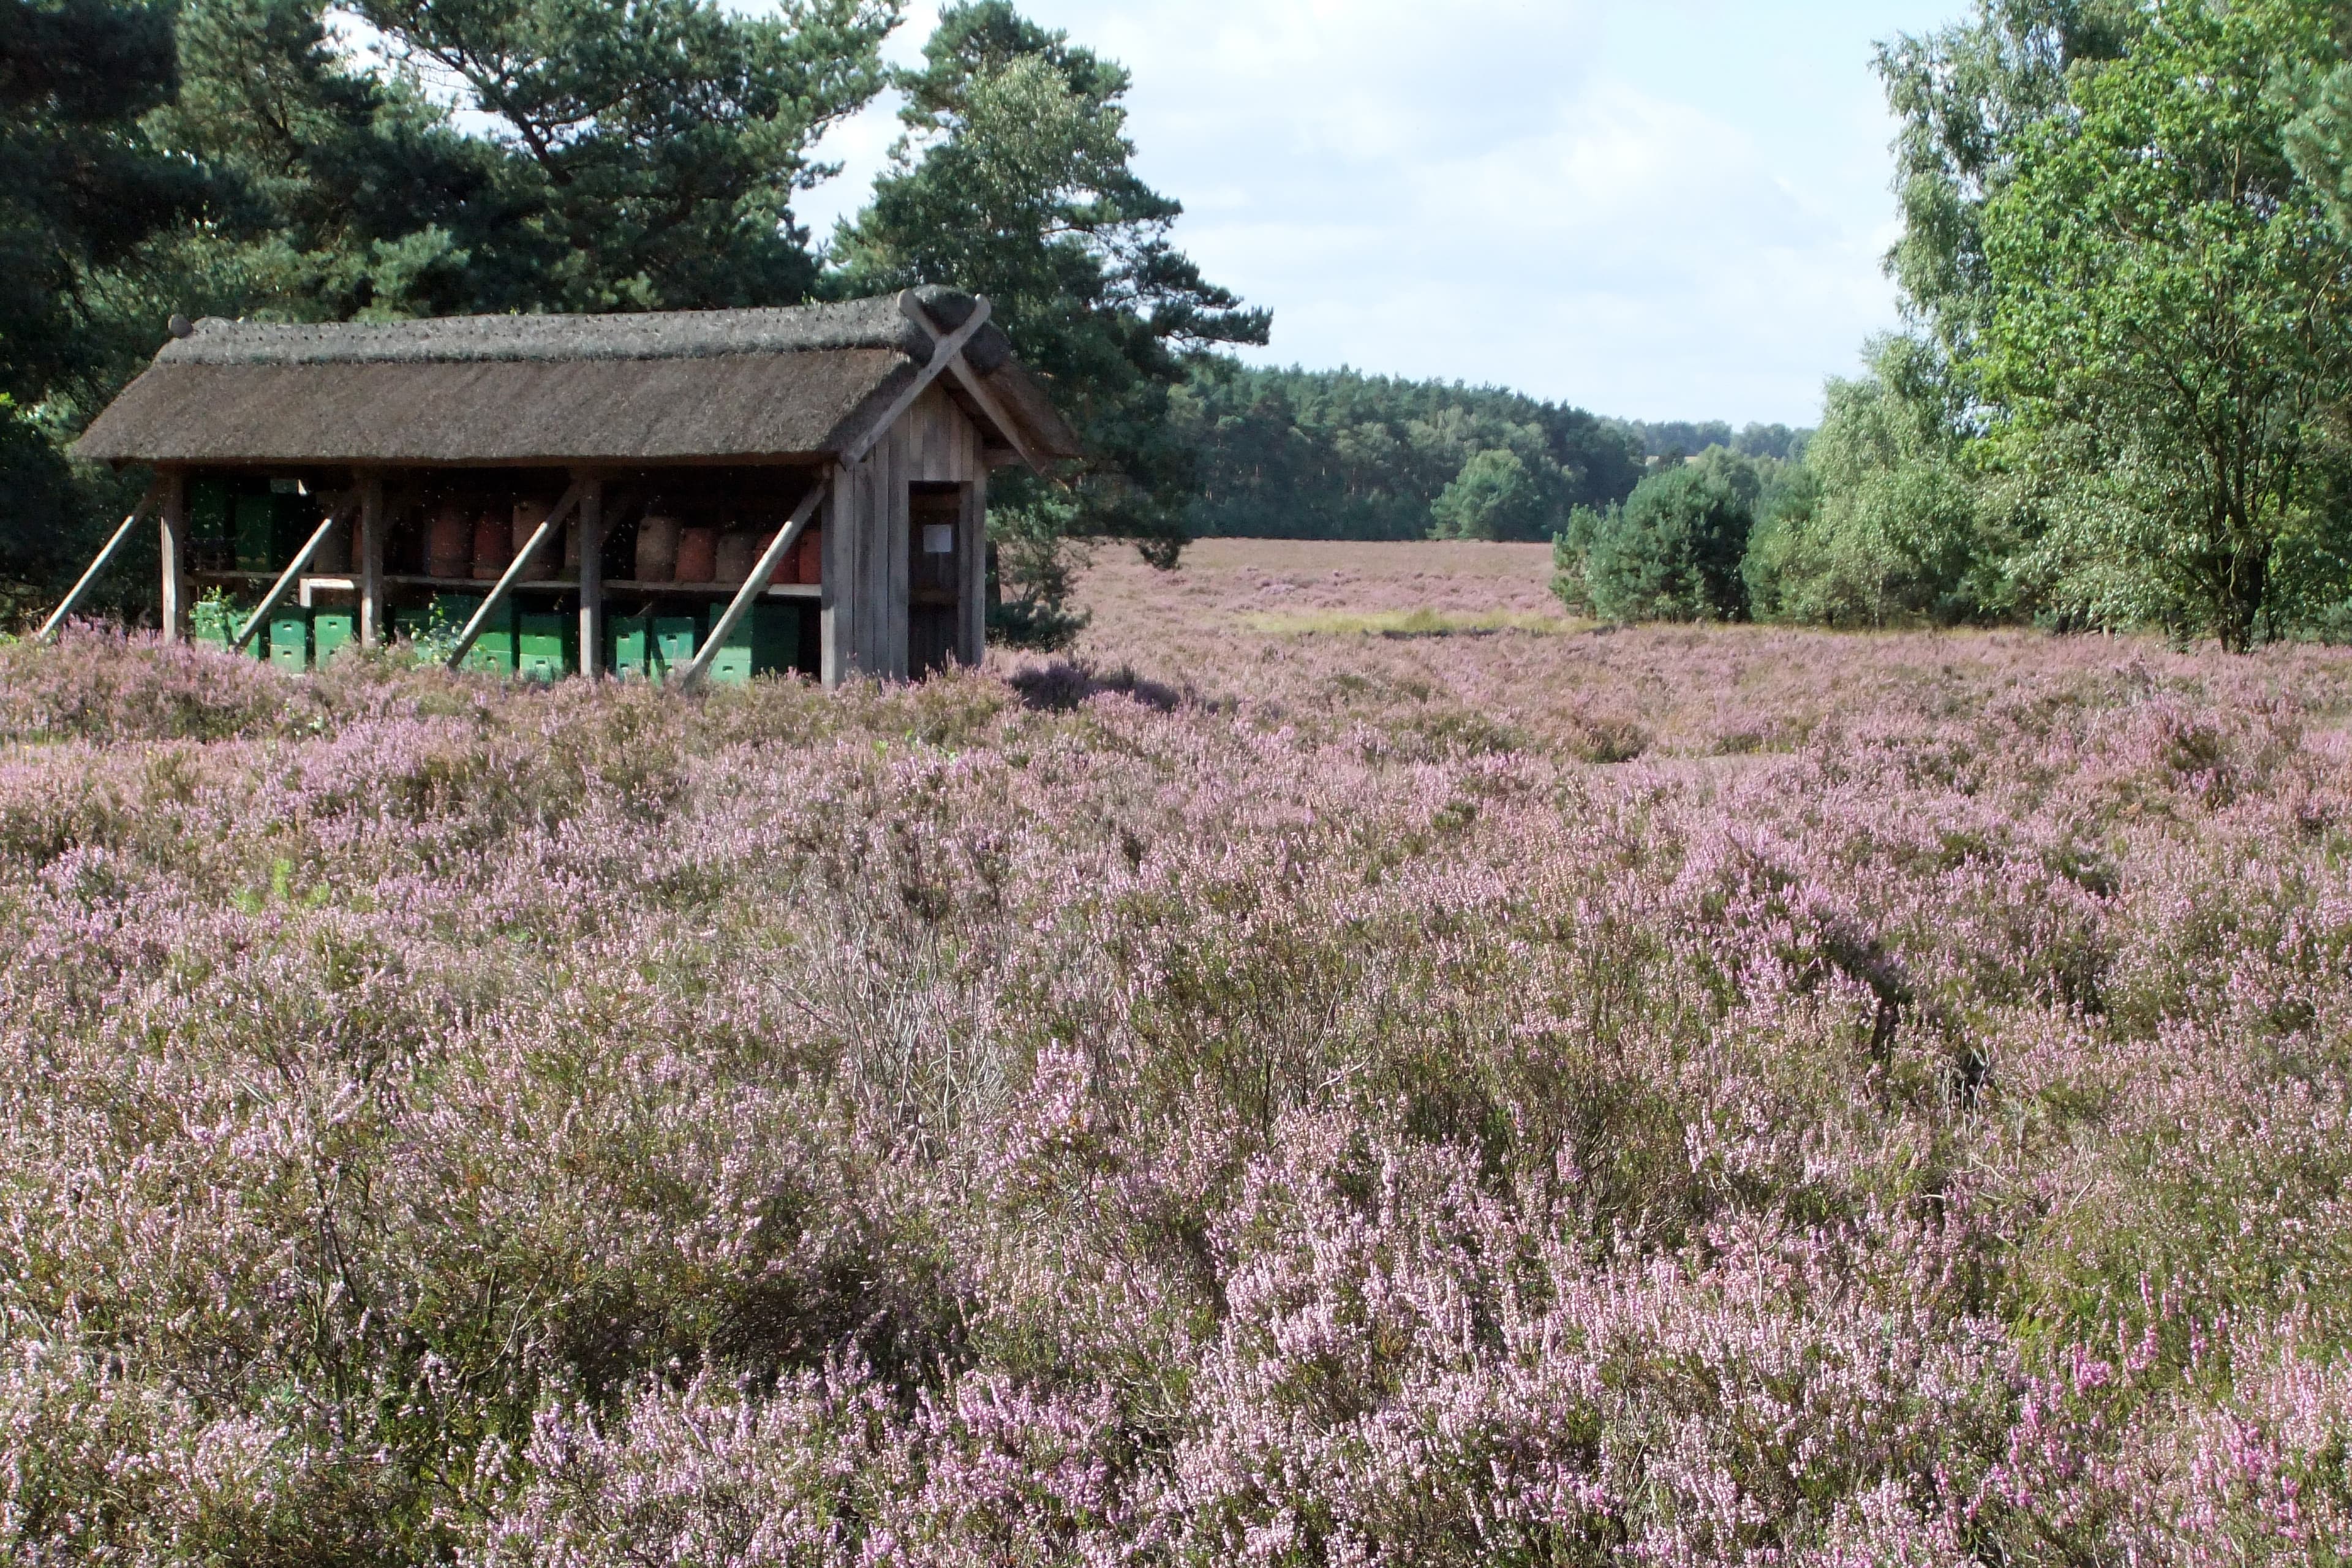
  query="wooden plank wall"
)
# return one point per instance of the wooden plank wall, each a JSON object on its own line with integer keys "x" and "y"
{"x": 864, "y": 610}
{"x": 864, "y": 551}
{"x": 887, "y": 539}
{"x": 943, "y": 447}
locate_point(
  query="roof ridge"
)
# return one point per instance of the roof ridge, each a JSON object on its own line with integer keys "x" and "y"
{"x": 876, "y": 323}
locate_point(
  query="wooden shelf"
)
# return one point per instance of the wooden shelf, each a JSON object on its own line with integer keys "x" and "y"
{"x": 345, "y": 584}
{"x": 714, "y": 590}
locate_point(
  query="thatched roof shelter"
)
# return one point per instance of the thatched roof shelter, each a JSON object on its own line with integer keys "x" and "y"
{"x": 683, "y": 386}
{"x": 813, "y": 479}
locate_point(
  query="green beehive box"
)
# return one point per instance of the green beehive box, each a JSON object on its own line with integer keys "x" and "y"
{"x": 543, "y": 644}
{"x": 254, "y": 525}
{"x": 289, "y": 639}
{"x": 214, "y": 623}
{"x": 775, "y": 639}
{"x": 330, "y": 630}
{"x": 766, "y": 641}
{"x": 631, "y": 640}
{"x": 675, "y": 641}
{"x": 731, "y": 665}
{"x": 494, "y": 650}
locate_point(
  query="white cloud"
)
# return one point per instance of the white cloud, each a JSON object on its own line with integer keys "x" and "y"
{"x": 1668, "y": 210}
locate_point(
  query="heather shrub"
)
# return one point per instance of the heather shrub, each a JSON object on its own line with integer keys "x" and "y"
{"x": 97, "y": 685}
{"x": 1686, "y": 1095}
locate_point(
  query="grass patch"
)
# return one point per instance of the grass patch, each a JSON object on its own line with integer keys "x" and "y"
{"x": 1423, "y": 623}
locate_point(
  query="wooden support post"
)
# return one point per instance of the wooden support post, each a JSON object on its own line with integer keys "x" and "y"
{"x": 148, "y": 504}
{"x": 864, "y": 583}
{"x": 837, "y": 606}
{"x": 971, "y": 572}
{"x": 547, "y": 530}
{"x": 887, "y": 483}
{"x": 590, "y": 527}
{"x": 176, "y": 542}
{"x": 372, "y": 523}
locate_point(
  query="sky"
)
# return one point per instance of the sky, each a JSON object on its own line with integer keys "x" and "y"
{"x": 1656, "y": 209}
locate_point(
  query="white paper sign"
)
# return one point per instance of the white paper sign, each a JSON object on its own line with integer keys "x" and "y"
{"x": 938, "y": 539}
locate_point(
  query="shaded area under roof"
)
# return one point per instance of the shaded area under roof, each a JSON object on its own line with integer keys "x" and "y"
{"x": 671, "y": 386}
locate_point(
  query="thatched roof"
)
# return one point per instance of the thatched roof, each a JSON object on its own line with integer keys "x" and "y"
{"x": 672, "y": 386}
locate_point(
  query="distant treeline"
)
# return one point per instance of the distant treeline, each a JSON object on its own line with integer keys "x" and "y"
{"x": 1295, "y": 453}
{"x": 1685, "y": 438}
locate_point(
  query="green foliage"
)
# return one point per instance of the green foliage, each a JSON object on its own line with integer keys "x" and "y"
{"x": 1014, "y": 181}
{"x": 1967, "y": 98}
{"x": 1037, "y": 559}
{"x": 81, "y": 192}
{"x": 38, "y": 489}
{"x": 79, "y": 188}
{"x": 1295, "y": 454}
{"x": 343, "y": 194}
{"x": 2125, "y": 256}
{"x": 1673, "y": 551}
{"x": 2168, "y": 336}
{"x": 2319, "y": 144}
{"x": 637, "y": 157}
{"x": 1570, "y": 548}
{"x": 654, "y": 147}
{"x": 1494, "y": 496}
{"x": 1886, "y": 525}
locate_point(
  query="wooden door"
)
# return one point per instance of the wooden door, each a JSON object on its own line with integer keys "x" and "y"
{"x": 935, "y": 522}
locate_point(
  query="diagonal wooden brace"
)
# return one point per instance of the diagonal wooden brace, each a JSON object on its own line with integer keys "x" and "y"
{"x": 146, "y": 507}
{"x": 341, "y": 511}
{"x": 547, "y": 530}
{"x": 947, "y": 353}
{"x": 755, "y": 584}
{"x": 977, "y": 390}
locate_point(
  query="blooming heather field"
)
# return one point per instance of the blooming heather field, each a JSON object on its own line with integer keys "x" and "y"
{"x": 1284, "y": 1097}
